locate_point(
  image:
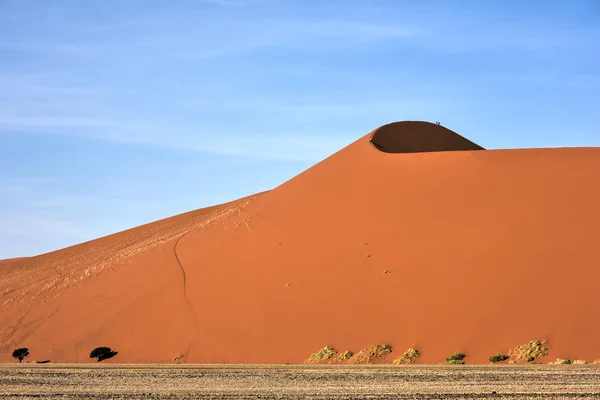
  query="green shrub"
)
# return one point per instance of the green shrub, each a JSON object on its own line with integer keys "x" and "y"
{"x": 499, "y": 358}
{"x": 456, "y": 358}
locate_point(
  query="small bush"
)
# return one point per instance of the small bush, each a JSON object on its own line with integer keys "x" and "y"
{"x": 102, "y": 353}
{"x": 324, "y": 354}
{"x": 499, "y": 358}
{"x": 409, "y": 357}
{"x": 20, "y": 353}
{"x": 456, "y": 358}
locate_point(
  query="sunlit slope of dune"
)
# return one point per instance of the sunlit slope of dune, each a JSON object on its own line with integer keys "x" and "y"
{"x": 473, "y": 251}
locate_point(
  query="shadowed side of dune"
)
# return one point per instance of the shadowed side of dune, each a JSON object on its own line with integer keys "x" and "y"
{"x": 419, "y": 137}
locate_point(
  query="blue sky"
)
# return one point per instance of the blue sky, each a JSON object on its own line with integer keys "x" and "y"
{"x": 118, "y": 113}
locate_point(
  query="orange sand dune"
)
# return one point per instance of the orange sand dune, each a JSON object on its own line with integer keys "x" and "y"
{"x": 8, "y": 260}
{"x": 445, "y": 251}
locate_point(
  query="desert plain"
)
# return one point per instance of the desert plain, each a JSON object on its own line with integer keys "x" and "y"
{"x": 270, "y": 382}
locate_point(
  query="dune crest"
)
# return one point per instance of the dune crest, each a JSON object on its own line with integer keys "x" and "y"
{"x": 419, "y": 137}
{"x": 445, "y": 252}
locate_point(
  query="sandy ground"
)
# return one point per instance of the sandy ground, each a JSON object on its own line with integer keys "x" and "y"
{"x": 298, "y": 382}
{"x": 473, "y": 251}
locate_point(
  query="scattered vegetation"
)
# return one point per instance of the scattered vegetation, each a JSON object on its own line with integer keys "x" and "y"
{"x": 387, "y": 271}
{"x": 326, "y": 353}
{"x": 409, "y": 357}
{"x": 371, "y": 353}
{"x": 345, "y": 356}
{"x": 499, "y": 358}
{"x": 102, "y": 353}
{"x": 368, "y": 256}
{"x": 179, "y": 357}
{"x": 559, "y": 361}
{"x": 456, "y": 358}
{"x": 529, "y": 351}
{"x": 20, "y": 353}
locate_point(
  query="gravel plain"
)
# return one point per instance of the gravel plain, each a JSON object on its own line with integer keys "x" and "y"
{"x": 267, "y": 382}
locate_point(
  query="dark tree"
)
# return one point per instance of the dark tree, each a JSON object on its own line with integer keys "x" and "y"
{"x": 21, "y": 353}
{"x": 102, "y": 353}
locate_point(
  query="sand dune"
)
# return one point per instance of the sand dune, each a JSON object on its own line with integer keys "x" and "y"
{"x": 445, "y": 251}
{"x": 9, "y": 260}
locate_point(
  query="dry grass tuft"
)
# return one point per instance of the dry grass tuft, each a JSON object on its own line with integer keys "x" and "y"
{"x": 580, "y": 362}
{"x": 371, "y": 353}
{"x": 326, "y": 353}
{"x": 345, "y": 356}
{"x": 560, "y": 361}
{"x": 408, "y": 358}
{"x": 529, "y": 352}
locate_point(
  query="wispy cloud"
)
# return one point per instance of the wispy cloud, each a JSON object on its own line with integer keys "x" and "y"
{"x": 296, "y": 133}
{"x": 153, "y": 42}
